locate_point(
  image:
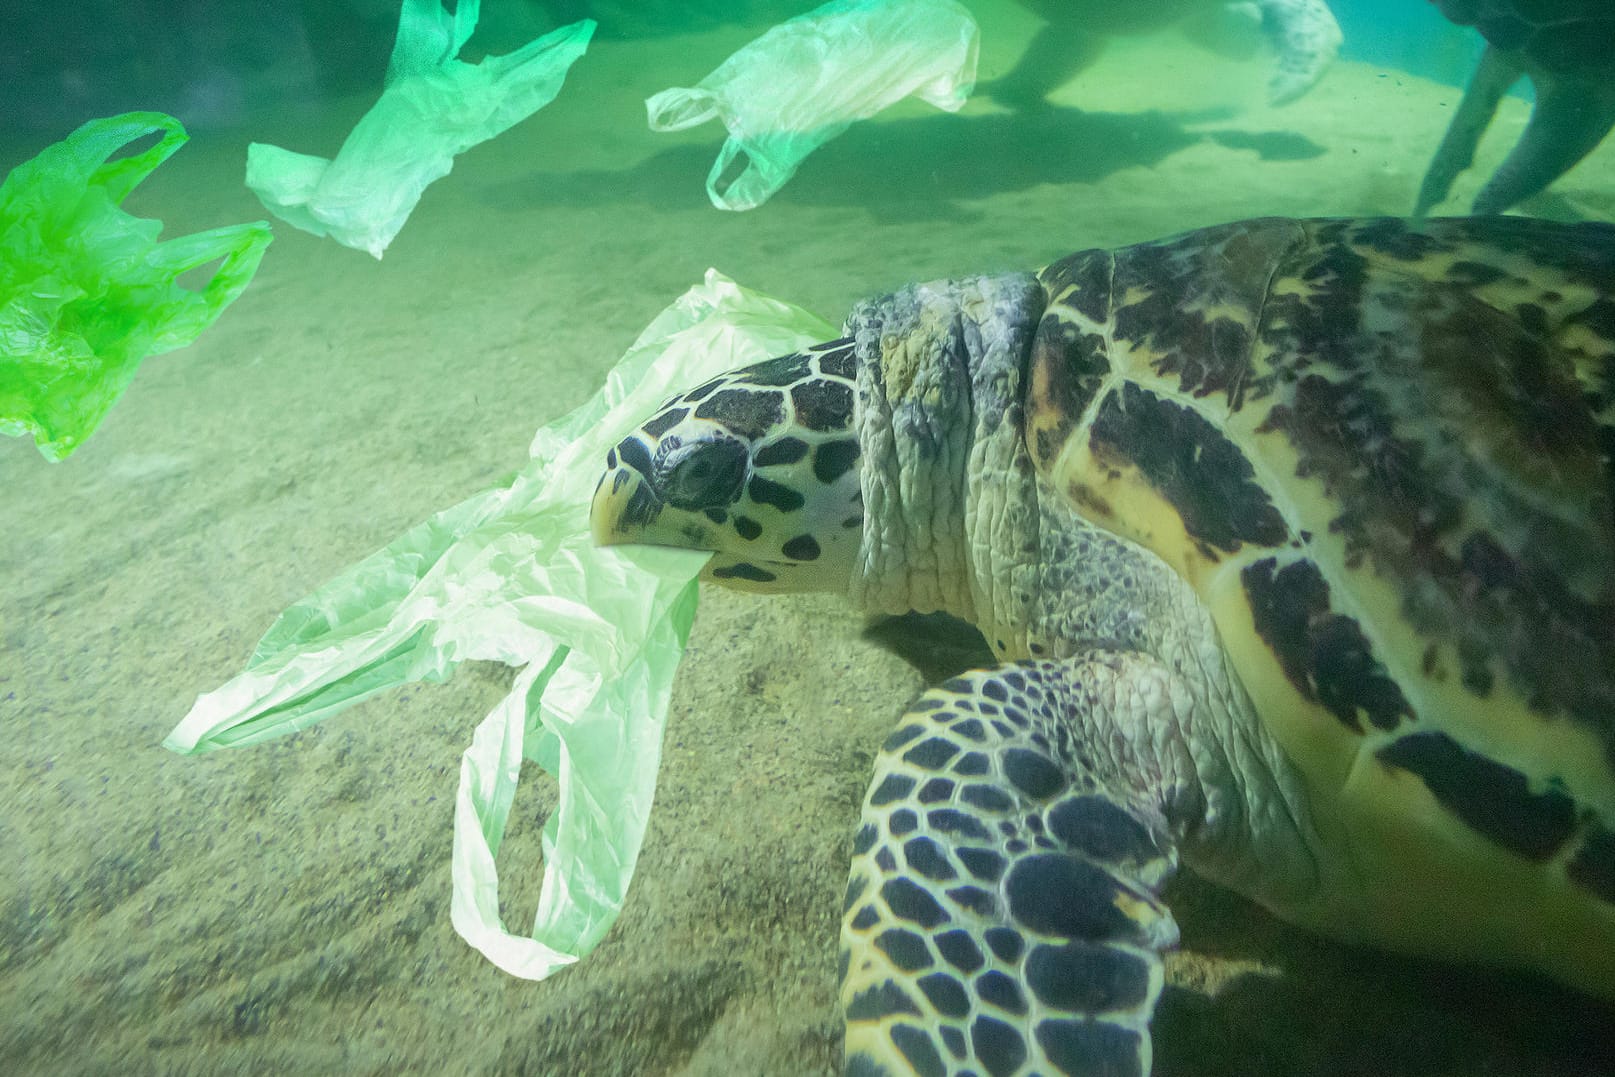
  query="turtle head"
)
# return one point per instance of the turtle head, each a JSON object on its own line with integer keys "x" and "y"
{"x": 759, "y": 465}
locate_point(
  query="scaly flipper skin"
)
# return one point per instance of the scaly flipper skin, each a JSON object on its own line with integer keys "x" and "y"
{"x": 1001, "y": 914}
{"x": 1305, "y": 39}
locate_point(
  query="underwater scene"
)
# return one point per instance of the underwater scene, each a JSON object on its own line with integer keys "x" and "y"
{"x": 507, "y": 503}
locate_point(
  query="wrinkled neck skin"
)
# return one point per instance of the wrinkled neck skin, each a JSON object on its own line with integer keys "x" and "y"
{"x": 939, "y": 368}
{"x": 957, "y": 519}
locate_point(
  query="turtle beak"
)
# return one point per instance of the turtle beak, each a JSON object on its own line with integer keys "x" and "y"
{"x": 623, "y": 507}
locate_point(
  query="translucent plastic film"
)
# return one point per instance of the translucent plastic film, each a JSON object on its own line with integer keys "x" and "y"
{"x": 434, "y": 108}
{"x": 807, "y": 80}
{"x": 511, "y": 575}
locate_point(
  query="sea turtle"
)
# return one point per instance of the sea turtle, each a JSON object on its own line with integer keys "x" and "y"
{"x": 1303, "y": 35}
{"x": 1294, "y": 544}
{"x": 1567, "y": 49}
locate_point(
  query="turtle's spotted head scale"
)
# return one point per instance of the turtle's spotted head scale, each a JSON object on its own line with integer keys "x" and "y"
{"x": 759, "y": 465}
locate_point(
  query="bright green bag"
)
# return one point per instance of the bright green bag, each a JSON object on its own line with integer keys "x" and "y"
{"x": 87, "y": 291}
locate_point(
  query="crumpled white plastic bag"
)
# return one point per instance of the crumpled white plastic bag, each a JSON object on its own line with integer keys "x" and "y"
{"x": 434, "y": 107}
{"x": 807, "y": 80}
{"x": 512, "y": 575}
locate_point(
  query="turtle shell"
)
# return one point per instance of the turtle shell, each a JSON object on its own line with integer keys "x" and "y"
{"x": 1382, "y": 456}
{"x": 1564, "y": 36}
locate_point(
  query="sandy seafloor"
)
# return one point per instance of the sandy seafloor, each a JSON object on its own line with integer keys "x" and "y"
{"x": 285, "y": 908}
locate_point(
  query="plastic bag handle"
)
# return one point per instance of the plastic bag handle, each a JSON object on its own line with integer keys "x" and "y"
{"x": 680, "y": 107}
{"x": 240, "y": 246}
{"x": 747, "y": 190}
{"x": 120, "y": 177}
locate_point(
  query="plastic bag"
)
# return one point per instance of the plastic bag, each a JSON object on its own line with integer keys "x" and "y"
{"x": 807, "y": 80}
{"x": 511, "y": 575}
{"x": 86, "y": 291}
{"x": 434, "y": 107}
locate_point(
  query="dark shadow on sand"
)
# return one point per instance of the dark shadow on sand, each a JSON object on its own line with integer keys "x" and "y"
{"x": 922, "y": 168}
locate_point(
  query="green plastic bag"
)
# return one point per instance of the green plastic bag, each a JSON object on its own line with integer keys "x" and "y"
{"x": 511, "y": 575}
{"x": 434, "y": 107}
{"x": 87, "y": 291}
{"x": 807, "y": 80}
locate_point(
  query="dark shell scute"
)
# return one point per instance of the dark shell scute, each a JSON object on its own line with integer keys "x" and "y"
{"x": 1196, "y": 301}
{"x": 774, "y": 373}
{"x": 1192, "y": 465}
{"x": 1458, "y": 414}
{"x": 1492, "y": 798}
{"x": 1069, "y": 359}
{"x": 1324, "y": 654}
{"x": 837, "y": 358}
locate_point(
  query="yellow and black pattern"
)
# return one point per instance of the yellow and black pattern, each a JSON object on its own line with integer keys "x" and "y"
{"x": 1295, "y": 541}
{"x": 758, "y": 465}
{"x": 1385, "y": 452}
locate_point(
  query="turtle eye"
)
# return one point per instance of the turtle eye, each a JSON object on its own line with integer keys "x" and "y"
{"x": 705, "y": 475}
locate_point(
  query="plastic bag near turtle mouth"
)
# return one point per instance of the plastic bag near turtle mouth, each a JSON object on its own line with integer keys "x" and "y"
{"x": 807, "y": 80}
{"x": 433, "y": 109}
{"x": 86, "y": 290}
{"x": 512, "y": 575}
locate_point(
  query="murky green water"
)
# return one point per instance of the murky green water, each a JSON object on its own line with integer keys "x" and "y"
{"x": 285, "y": 909}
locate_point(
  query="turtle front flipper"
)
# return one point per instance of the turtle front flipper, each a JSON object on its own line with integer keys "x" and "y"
{"x": 1306, "y": 39}
{"x": 1002, "y": 915}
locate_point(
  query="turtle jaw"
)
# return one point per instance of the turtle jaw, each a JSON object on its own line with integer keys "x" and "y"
{"x": 623, "y": 509}
{"x": 626, "y": 512}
